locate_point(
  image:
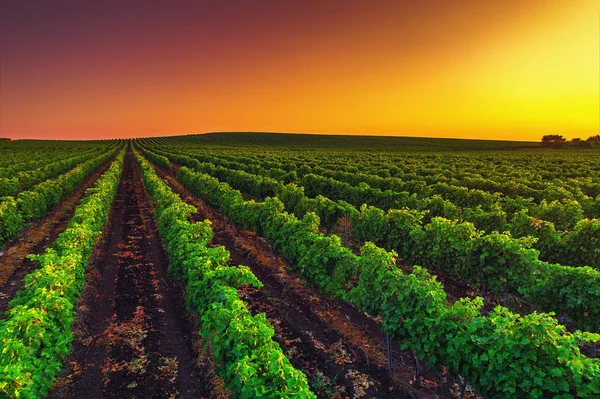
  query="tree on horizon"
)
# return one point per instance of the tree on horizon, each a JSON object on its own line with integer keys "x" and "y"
{"x": 553, "y": 141}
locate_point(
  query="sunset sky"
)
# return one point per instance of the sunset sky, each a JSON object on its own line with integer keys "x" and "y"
{"x": 511, "y": 70}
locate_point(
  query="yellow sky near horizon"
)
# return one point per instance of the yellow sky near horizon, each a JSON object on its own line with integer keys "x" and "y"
{"x": 509, "y": 70}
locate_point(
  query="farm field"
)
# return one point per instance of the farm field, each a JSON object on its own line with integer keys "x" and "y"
{"x": 263, "y": 265}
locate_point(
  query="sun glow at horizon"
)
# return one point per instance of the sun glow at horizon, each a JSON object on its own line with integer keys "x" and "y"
{"x": 499, "y": 70}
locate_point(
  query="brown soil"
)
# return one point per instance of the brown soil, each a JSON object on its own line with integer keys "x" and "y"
{"x": 133, "y": 337}
{"x": 14, "y": 265}
{"x": 341, "y": 350}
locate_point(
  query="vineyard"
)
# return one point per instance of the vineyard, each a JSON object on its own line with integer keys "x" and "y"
{"x": 251, "y": 265}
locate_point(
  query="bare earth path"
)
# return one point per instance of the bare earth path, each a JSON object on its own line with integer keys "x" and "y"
{"x": 134, "y": 338}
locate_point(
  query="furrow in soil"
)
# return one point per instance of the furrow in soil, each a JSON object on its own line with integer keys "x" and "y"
{"x": 134, "y": 337}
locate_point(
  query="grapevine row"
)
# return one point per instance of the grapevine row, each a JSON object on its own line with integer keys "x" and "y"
{"x": 33, "y": 204}
{"x": 503, "y": 354}
{"x": 492, "y": 261}
{"x": 577, "y": 247}
{"x": 25, "y": 179}
{"x": 557, "y": 204}
{"x": 36, "y": 336}
{"x": 29, "y": 155}
{"x": 512, "y": 176}
{"x": 246, "y": 357}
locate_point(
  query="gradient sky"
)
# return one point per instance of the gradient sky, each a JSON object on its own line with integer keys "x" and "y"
{"x": 510, "y": 69}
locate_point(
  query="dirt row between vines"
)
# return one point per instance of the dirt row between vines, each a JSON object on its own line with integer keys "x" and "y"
{"x": 133, "y": 337}
{"x": 14, "y": 265}
{"x": 340, "y": 349}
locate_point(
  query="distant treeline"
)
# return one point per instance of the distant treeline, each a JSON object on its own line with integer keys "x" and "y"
{"x": 558, "y": 141}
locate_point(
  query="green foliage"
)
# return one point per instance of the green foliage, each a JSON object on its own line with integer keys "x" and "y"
{"x": 9, "y": 186}
{"x": 563, "y": 213}
{"x": 530, "y": 356}
{"x": 582, "y": 244}
{"x": 576, "y": 288}
{"x": 11, "y": 220}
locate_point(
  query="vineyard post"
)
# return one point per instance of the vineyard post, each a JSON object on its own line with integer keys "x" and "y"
{"x": 416, "y": 370}
{"x": 388, "y": 344}
{"x": 346, "y": 228}
{"x": 235, "y": 233}
{"x": 463, "y": 386}
{"x": 505, "y": 284}
{"x": 594, "y": 345}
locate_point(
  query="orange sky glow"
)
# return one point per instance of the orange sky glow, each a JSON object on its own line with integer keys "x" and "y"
{"x": 509, "y": 70}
